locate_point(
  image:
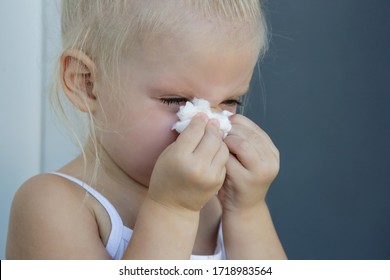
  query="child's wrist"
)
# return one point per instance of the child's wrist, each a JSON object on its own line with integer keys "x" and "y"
{"x": 245, "y": 211}
{"x": 171, "y": 210}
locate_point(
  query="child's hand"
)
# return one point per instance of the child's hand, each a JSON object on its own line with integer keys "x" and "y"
{"x": 252, "y": 166}
{"x": 192, "y": 169}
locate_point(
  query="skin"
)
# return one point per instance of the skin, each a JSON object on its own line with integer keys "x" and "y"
{"x": 162, "y": 184}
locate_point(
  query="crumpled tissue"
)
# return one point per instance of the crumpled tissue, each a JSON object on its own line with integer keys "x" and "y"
{"x": 197, "y": 105}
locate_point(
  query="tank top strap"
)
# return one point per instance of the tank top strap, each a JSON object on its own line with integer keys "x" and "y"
{"x": 116, "y": 220}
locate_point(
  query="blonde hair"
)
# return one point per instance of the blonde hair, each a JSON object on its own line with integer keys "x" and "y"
{"x": 108, "y": 30}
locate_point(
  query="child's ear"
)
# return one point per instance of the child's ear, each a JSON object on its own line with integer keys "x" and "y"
{"x": 78, "y": 79}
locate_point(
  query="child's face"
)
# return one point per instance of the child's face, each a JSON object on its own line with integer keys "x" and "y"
{"x": 157, "y": 77}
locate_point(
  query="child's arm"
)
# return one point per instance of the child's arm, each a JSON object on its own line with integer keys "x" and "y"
{"x": 250, "y": 234}
{"x": 248, "y": 229}
{"x": 51, "y": 218}
{"x": 186, "y": 175}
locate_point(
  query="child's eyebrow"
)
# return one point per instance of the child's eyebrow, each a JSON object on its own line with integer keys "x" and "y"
{"x": 168, "y": 88}
{"x": 171, "y": 90}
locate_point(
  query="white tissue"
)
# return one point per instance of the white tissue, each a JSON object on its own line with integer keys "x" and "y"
{"x": 187, "y": 112}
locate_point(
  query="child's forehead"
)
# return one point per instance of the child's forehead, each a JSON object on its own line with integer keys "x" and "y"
{"x": 203, "y": 31}
{"x": 155, "y": 17}
{"x": 199, "y": 33}
{"x": 194, "y": 45}
{"x": 239, "y": 10}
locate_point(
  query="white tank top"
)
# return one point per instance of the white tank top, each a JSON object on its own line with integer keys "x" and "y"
{"x": 120, "y": 234}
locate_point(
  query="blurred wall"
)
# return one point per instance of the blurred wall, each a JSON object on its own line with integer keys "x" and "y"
{"x": 326, "y": 81}
{"x": 32, "y": 139}
{"x": 20, "y": 100}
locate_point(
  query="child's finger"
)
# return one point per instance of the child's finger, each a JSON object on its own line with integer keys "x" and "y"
{"x": 241, "y": 120}
{"x": 189, "y": 139}
{"x": 259, "y": 138}
{"x": 245, "y": 153}
{"x": 221, "y": 157}
{"x": 233, "y": 164}
{"x": 210, "y": 143}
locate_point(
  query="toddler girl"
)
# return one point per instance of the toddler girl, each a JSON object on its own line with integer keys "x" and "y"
{"x": 139, "y": 190}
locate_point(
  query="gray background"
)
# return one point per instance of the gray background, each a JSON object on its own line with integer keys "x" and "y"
{"x": 324, "y": 100}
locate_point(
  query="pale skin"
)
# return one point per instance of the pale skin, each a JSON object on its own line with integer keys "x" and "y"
{"x": 162, "y": 184}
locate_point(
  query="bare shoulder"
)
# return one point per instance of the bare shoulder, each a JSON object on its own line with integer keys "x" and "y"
{"x": 52, "y": 219}
{"x": 45, "y": 190}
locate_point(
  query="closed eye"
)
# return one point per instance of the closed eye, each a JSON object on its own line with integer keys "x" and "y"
{"x": 233, "y": 102}
{"x": 174, "y": 100}
{"x": 182, "y": 101}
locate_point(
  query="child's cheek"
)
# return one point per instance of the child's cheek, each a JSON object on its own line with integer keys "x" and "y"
{"x": 153, "y": 138}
